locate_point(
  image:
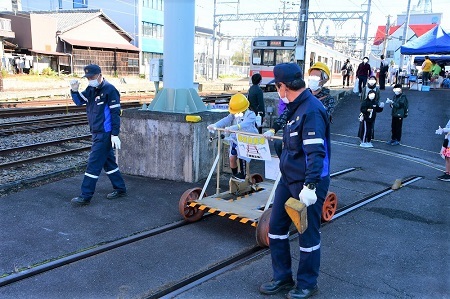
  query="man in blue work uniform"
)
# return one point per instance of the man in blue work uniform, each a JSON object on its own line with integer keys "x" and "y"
{"x": 304, "y": 165}
{"x": 102, "y": 102}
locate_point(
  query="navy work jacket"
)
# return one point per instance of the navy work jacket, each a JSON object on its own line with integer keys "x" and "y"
{"x": 306, "y": 141}
{"x": 102, "y": 107}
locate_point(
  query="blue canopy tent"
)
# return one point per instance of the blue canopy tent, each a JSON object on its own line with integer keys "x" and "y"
{"x": 435, "y": 41}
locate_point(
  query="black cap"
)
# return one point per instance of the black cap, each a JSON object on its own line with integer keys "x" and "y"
{"x": 91, "y": 70}
{"x": 286, "y": 72}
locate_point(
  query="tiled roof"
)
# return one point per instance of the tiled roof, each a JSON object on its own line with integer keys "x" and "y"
{"x": 68, "y": 19}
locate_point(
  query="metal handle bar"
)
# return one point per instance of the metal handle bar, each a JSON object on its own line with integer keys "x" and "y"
{"x": 247, "y": 133}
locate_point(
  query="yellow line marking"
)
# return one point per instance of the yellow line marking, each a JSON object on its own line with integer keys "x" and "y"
{"x": 232, "y": 217}
{"x": 222, "y": 214}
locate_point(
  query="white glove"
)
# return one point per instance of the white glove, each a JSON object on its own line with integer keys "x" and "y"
{"x": 269, "y": 134}
{"x": 211, "y": 129}
{"x": 115, "y": 141}
{"x": 308, "y": 196}
{"x": 389, "y": 101}
{"x": 74, "y": 85}
{"x": 442, "y": 152}
{"x": 227, "y": 129}
{"x": 381, "y": 105}
{"x": 361, "y": 117}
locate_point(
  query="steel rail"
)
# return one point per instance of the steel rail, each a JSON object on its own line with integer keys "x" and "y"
{"x": 43, "y": 144}
{"x": 106, "y": 246}
{"x": 45, "y": 157}
{"x": 254, "y": 252}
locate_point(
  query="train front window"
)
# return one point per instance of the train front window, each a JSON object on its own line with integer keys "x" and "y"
{"x": 283, "y": 56}
{"x": 269, "y": 57}
{"x": 256, "y": 57}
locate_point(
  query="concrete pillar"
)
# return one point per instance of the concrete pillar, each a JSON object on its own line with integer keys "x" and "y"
{"x": 178, "y": 94}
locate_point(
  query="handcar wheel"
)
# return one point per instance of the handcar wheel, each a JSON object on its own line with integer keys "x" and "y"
{"x": 329, "y": 206}
{"x": 262, "y": 229}
{"x": 256, "y": 178}
{"x": 190, "y": 214}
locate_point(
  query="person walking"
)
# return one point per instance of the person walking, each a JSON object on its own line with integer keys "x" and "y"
{"x": 102, "y": 102}
{"x": 369, "y": 109}
{"x": 305, "y": 169}
{"x": 346, "y": 69}
{"x": 426, "y": 70}
{"x": 399, "y": 106}
{"x": 240, "y": 119}
{"x": 445, "y": 152}
{"x": 384, "y": 68}
{"x": 256, "y": 99}
{"x": 363, "y": 72}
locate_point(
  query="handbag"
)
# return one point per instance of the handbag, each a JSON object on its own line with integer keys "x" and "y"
{"x": 355, "y": 87}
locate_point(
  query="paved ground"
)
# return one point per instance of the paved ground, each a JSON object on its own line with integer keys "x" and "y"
{"x": 395, "y": 247}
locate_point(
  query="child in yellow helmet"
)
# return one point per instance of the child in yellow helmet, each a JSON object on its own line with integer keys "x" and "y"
{"x": 240, "y": 119}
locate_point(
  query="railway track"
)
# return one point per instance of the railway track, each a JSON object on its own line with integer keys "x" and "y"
{"x": 61, "y": 150}
{"x": 35, "y": 111}
{"x": 173, "y": 288}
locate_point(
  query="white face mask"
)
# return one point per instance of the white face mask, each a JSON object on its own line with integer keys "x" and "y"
{"x": 285, "y": 100}
{"x": 372, "y": 82}
{"x": 240, "y": 114}
{"x": 365, "y": 60}
{"x": 371, "y": 96}
{"x": 314, "y": 83}
{"x": 93, "y": 83}
{"x": 397, "y": 91}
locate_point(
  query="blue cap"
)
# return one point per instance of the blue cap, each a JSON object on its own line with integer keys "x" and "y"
{"x": 286, "y": 72}
{"x": 91, "y": 70}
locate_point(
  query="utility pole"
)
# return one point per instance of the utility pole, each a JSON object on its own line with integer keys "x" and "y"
{"x": 386, "y": 34}
{"x": 367, "y": 27}
{"x": 213, "y": 43}
{"x": 405, "y": 32}
{"x": 300, "y": 50}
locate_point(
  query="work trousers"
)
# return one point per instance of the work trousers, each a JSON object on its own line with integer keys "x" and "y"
{"x": 101, "y": 156}
{"x": 396, "y": 126}
{"x": 343, "y": 79}
{"x": 309, "y": 241}
{"x": 382, "y": 80}
{"x": 366, "y": 130}
{"x": 362, "y": 83}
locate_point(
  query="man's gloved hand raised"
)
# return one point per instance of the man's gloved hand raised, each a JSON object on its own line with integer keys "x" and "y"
{"x": 389, "y": 101}
{"x": 74, "y": 85}
{"x": 211, "y": 129}
{"x": 115, "y": 141}
{"x": 269, "y": 134}
{"x": 381, "y": 105}
{"x": 308, "y": 196}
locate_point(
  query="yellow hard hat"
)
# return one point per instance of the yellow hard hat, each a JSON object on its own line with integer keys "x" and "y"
{"x": 320, "y": 66}
{"x": 238, "y": 103}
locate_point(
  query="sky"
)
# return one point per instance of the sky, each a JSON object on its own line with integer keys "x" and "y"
{"x": 379, "y": 11}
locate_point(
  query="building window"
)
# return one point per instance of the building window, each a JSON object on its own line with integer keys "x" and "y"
{"x": 80, "y": 3}
{"x": 152, "y": 30}
{"x": 148, "y": 56}
{"x": 133, "y": 62}
{"x": 153, "y": 4}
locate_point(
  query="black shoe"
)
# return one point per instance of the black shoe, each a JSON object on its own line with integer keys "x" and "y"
{"x": 445, "y": 177}
{"x": 239, "y": 176}
{"x": 304, "y": 293}
{"x": 80, "y": 201}
{"x": 116, "y": 194}
{"x": 274, "y": 286}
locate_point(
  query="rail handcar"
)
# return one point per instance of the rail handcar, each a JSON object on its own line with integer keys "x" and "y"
{"x": 268, "y": 51}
